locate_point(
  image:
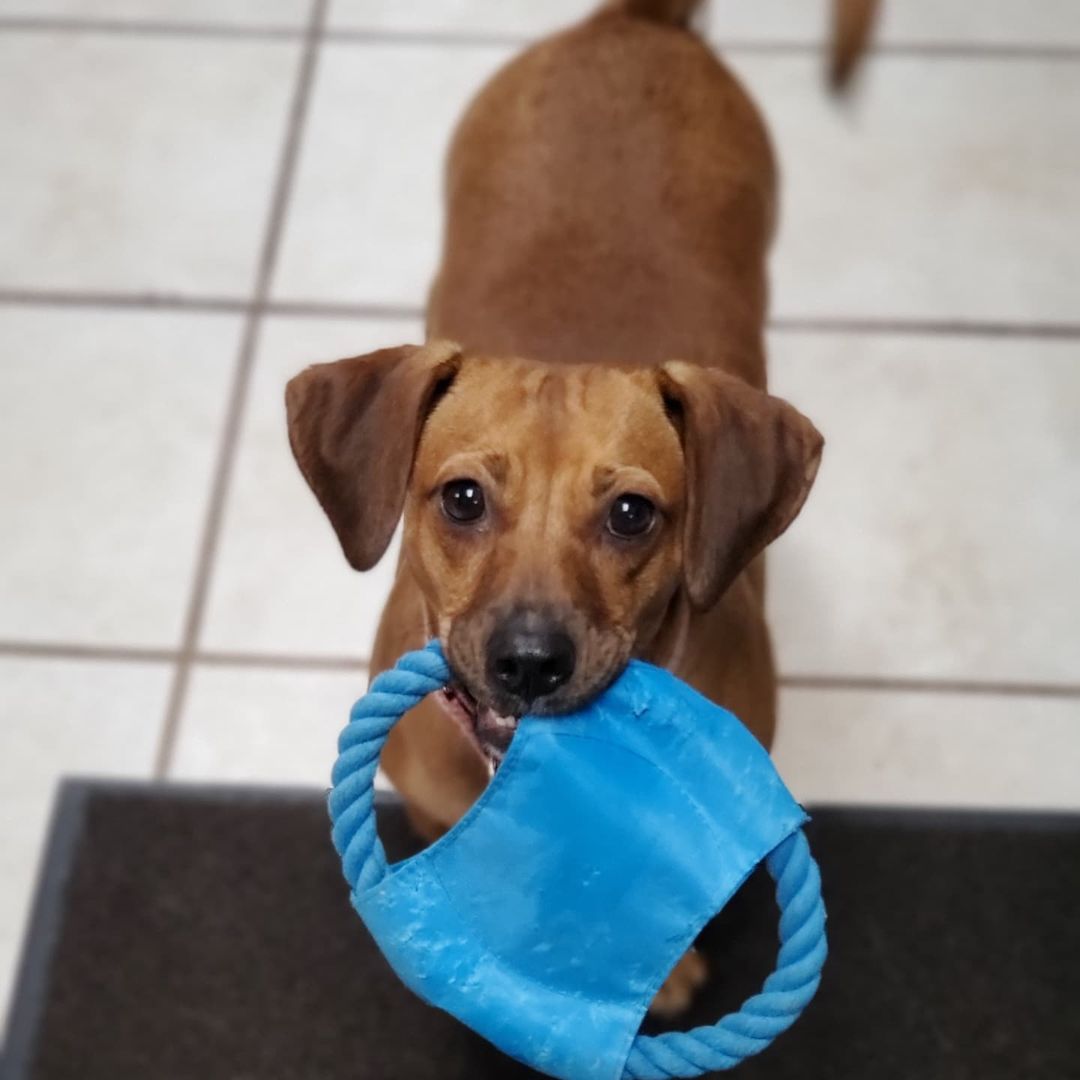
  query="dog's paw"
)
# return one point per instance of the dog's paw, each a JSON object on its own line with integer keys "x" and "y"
{"x": 686, "y": 977}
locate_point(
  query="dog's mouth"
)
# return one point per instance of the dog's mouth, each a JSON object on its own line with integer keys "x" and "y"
{"x": 489, "y": 733}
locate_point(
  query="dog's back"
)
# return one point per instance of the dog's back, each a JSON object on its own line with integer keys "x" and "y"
{"x": 610, "y": 197}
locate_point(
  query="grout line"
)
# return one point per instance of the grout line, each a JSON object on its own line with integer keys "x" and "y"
{"x": 224, "y": 658}
{"x": 823, "y": 325}
{"x": 61, "y": 298}
{"x": 925, "y": 327}
{"x": 949, "y": 50}
{"x": 376, "y": 35}
{"x": 331, "y": 309}
{"x": 973, "y": 50}
{"x": 75, "y": 651}
{"x": 137, "y": 301}
{"x": 315, "y": 662}
{"x": 65, "y": 650}
{"x": 241, "y": 381}
{"x": 149, "y": 27}
{"x": 940, "y": 50}
{"x": 885, "y": 684}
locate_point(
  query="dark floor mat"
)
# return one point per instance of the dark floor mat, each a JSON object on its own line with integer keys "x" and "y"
{"x": 197, "y": 935}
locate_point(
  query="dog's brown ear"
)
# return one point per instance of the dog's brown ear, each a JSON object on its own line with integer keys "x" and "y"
{"x": 354, "y": 426}
{"x": 750, "y": 461}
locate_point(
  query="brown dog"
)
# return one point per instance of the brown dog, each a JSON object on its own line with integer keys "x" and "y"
{"x": 592, "y": 472}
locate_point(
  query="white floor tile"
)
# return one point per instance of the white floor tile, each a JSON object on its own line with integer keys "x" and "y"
{"x": 264, "y": 726}
{"x": 139, "y": 163}
{"x": 222, "y": 12}
{"x": 930, "y": 749}
{"x": 109, "y": 426}
{"x": 940, "y": 193}
{"x": 62, "y": 718}
{"x": 281, "y": 583}
{"x": 939, "y": 540}
{"x": 525, "y": 17}
{"x": 366, "y": 210}
{"x": 799, "y": 21}
{"x": 905, "y": 22}
{"x": 990, "y": 22}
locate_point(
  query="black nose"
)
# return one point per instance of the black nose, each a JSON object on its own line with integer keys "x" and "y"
{"x": 529, "y": 656}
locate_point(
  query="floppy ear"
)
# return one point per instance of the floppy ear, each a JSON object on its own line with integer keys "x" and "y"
{"x": 354, "y": 426}
{"x": 750, "y": 461}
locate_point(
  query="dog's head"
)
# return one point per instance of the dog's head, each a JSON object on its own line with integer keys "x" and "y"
{"x": 553, "y": 513}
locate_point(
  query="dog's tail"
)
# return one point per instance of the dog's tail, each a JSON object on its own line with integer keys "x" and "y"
{"x": 852, "y": 27}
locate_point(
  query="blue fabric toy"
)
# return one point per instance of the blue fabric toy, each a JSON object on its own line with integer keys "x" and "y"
{"x": 549, "y": 916}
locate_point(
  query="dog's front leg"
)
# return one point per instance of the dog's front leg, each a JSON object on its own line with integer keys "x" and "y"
{"x": 688, "y": 976}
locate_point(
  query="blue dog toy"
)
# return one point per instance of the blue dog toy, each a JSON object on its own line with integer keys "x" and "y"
{"x": 549, "y": 916}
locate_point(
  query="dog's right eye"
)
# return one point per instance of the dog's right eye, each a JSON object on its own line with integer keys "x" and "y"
{"x": 463, "y": 501}
{"x": 631, "y": 516}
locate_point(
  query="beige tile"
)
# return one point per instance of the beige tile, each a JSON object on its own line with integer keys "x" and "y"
{"x": 940, "y": 193}
{"x": 800, "y": 21}
{"x": 109, "y": 426}
{"x": 62, "y": 718}
{"x": 906, "y": 22}
{"x": 264, "y": 726}
{"x": 222, "y": 12}
{"x": 280, "y": 727}
{"x": 930, "y": 749}
{"x": 997, "y": 22}
{"x": 139, "y": 163}
{"x": 939, "y": 540}
{"x": 524, "y": 17}
{"x": 366, "y": 211}
{"x": 281, "y": 583}
{"x": 990, "y": 22}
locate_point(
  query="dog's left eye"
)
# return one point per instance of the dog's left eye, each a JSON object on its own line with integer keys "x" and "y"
{"x": 463, "y": 501}
{"x": 630, "y": 516}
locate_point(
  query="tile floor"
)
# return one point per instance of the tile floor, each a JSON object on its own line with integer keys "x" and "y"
{"x": 199, "y": 198}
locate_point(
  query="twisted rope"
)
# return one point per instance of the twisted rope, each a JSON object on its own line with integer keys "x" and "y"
{"x": 787, "y": 991}
{"x": 723, "y": 1045}
{"x": 352, "y": 797}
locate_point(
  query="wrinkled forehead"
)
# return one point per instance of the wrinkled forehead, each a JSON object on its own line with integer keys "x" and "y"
{"x": 591, "y": 418}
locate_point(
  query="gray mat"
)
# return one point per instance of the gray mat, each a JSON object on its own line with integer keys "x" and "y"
{"x": 195, "y": 934}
